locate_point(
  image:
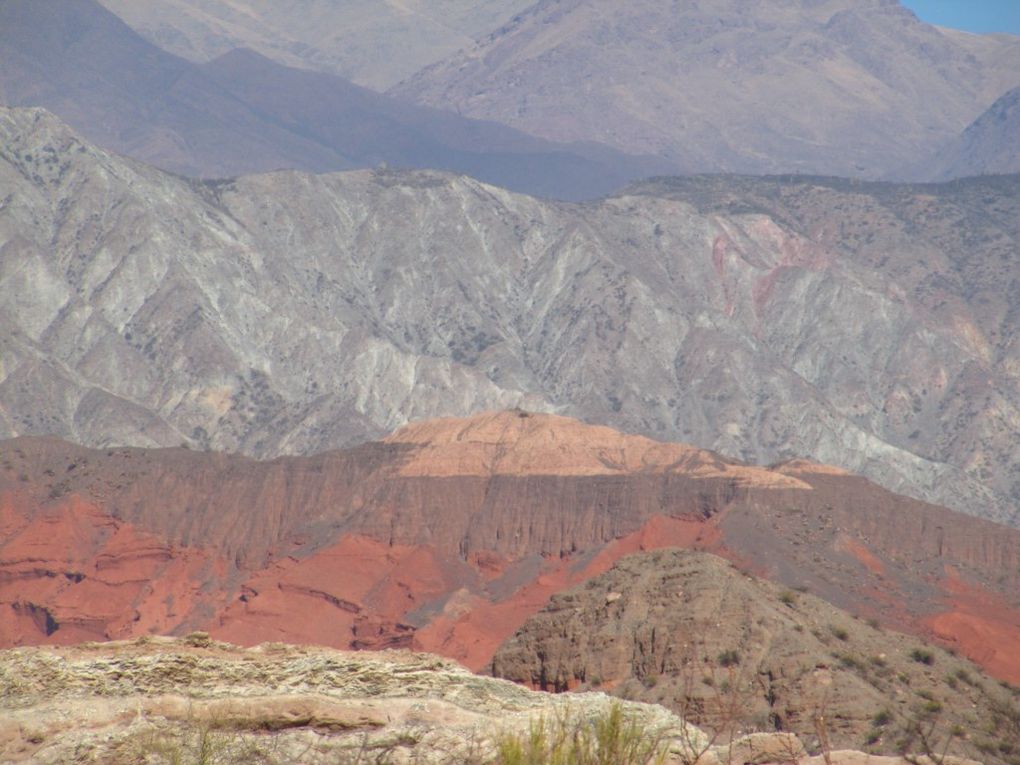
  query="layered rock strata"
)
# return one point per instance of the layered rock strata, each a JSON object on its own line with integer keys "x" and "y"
{"x": 448, "y": 534}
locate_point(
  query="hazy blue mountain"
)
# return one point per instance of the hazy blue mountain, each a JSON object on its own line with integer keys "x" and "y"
{"x": 242, "y": 113}
{"x": 842, "y": 87}
{"x": 375, "y": 43}
{"x": 989, "y": 145}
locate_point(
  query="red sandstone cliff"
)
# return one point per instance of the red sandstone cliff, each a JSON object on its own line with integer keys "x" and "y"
{"x": 449, "y": 533}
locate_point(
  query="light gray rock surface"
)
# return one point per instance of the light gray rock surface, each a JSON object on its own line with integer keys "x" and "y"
{"x": 288, "y": 313}
{"x": 163, "y": 700}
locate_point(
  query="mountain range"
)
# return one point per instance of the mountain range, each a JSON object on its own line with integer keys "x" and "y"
{"x": 460, "y": 365}
{"x": 838, "y": 87}
{"x": 870, "y": 326}
{"x": 712, "y": 86}
{"x": 526, "y": 545}
{"x": 243, "y": 113}
{"x": 375, "y": 44}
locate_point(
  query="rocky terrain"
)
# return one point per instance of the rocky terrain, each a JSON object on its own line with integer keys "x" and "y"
{"x": 922, "y": 240}
{"x": 447, "y": 535}
{"x": 196, "y": 700}
{"x": 727, "y": 651}
{"x": 867, "y": 326}
{"x": 315, "y": 412}
{"x": 375, "y": 44}
{"x": 243, "y": 113}
{"x": 161, "y": 700}
{"x": 841, "y": 87}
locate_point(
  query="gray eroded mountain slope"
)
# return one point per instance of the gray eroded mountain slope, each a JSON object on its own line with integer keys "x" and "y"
{"x": 292, "y": 313}
{"x": 842, "y": 87}
{"x": 375, "y": 43}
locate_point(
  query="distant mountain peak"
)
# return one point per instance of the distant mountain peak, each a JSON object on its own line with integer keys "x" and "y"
{"x": 989, "y": 146}
{"x": 827, "y": 87}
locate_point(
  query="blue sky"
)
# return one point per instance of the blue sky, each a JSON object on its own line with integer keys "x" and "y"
{"x": 972, "y": 15}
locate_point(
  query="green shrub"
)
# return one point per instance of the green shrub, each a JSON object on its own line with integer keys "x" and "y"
{"x": 729, "y": 658}
{"x": 882, "y": 718}
{"x": 849, "y": 662}
{"x": 201, "y": 745}
{"x": 839, "y": 632}
{"x": 964, "y": 676}
{"x": 610, "y": 739}
{"x": 922, "y": 656}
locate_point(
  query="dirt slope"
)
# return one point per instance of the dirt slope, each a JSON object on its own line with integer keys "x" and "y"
{"x": 731, "y": 652}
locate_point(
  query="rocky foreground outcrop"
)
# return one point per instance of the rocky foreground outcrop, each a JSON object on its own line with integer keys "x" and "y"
{"x": 193, "y": 700}
{"x": 447, "y": 535}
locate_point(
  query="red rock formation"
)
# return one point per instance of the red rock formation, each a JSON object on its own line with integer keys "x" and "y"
{"x": 73, "y": 572}
{"x": 448, "y": 534}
